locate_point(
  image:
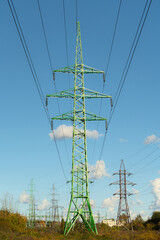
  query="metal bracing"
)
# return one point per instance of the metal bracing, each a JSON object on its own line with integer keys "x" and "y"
{"x": 123, "y": 208}
{"x": 79, "y": 206}
{"x": 31, "y": 219}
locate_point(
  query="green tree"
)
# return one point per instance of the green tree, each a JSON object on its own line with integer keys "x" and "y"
{"x": 155, "y": 217}
{"x": 138, "y": 223}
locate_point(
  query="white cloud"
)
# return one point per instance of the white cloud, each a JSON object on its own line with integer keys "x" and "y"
{"x": 98, "y": 171}
{"x": 135, "y": 202}
{"x": 151, "y": 139}
{"x": 132, "y": 202}
{"x": 64, "y": 131}
{"x": 134, "y": 214}
{"x": 139, "y": 202}
{"x": 93, "y": 134}
{"x": 24, "y": 197}
{"x": 44, "y": 205}
{"x": 93, "y": 203}
{"x": 122, "y": 140}
{"x": 135, "y": 191}
{"x": 110, "y": 202}
{"x": 156, "y": 193}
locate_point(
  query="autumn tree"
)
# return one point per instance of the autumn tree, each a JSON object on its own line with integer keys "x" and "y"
{"x": 138, "y": 223}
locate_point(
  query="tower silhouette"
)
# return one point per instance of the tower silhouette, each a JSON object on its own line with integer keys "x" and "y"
{"x": 31, "y": 219}
{"x": 79, "y": 203}
{"x": 123, "y": 208}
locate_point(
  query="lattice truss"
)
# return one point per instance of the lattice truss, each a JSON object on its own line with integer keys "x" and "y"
{"x": 79, "y": 204}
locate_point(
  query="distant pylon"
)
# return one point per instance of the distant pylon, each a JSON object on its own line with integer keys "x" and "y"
{"x": 31, "y": 220}
{"x": 55, "y": 207}
{"x": 123, "y": 209}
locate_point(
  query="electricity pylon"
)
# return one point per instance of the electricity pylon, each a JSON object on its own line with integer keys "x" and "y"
{"x": 54, "y": 207}
{"x": 31, "y": 222}
{"x": 123, "y": 208}
{"x": 79, "y": 203}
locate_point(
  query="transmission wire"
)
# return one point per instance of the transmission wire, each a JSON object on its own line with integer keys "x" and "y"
{"x": 108, "y": 62}
{"x": 51, "y": 66}
{"x": 65, "y": 30}
{"x": 128, "y": 63}
{"x": 111, "y": 113}
{"x": 114, "y": 33}
{"x": 29, "y": 60}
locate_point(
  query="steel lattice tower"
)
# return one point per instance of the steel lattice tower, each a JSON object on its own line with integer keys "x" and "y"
{"x": 79, "y": 203}
{"x": 31, "y": 222}
{"x": 54, "y": 207}
{"x": 123, "y": 208}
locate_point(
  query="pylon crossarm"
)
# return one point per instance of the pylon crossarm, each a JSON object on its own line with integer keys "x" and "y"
{"x": 114, "y": 183}
{"x": 116, "y": 194}
{"x": 69, "y": 93}
{"x": 79, "y": 68}
{"x": 70, "y": 117}
{"x": 93, "y": 94}
{"x": 130, "y": 183}
{"x": 88, "y": 94}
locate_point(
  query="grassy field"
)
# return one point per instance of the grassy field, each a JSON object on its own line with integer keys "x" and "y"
{"x": 13, "y": 226}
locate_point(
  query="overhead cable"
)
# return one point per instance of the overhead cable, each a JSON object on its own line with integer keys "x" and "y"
{"x": 32, "y": 68}
{"x": 131, "y": 55}
{"x": 128, "y": 63}
{"x": 106, "y": 72}
{"x": 51, "y": 66}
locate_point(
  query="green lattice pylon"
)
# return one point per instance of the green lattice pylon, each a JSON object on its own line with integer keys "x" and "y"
{"x": 79, "y": 206}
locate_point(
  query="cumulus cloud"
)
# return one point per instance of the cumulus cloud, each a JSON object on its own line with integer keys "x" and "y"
{"x": 111, "y": 204}
{"x": 139, "y": 202}
{"x": 151, "y": 139}
{"x": 24, "y": 197}
{"x": 122, "y": 140}
{"x": 143, "y": 214}
{"x": 98, "y": 171}
{"x": 136, "y": 202}
{"x": 64, "y": 131}
{"x": 156, "y": 193}
{"x": 135, "y": 191}
{"x": 44, "y": 205}
{"x": 93, "y": 203}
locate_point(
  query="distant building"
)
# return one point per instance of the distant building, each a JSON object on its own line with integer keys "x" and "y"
{"x": 111, "y": 222}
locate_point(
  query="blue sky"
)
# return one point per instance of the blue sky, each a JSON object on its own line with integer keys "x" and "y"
{"x": 26, "y": 148}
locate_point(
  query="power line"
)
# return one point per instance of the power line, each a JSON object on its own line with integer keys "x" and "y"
{"x": 45, "y": 36}
{"x": 142, "y": 168}
{"x": 130, "y": 57}
{"x": 51, "y": 66}
{"x": 28, "y": 56}
{"x": 148, "y": 155}
{"x": 65, "y": 30}
{"x": 76, "y": 13}
{"x": 114, "y": 33}
{"x": 32, "y": 68}
{"x": 108, "y": 62}
{"x": 128, "y": 63}
{"x": 137, "y": 152}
